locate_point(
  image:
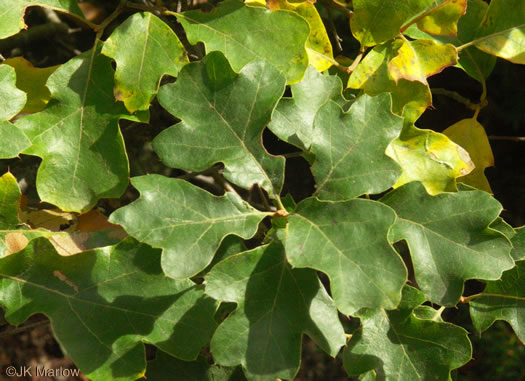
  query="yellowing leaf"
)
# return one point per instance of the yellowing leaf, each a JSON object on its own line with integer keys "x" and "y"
{"x": 431, "y": 158}
{"x": 443, "y": 20}
{"x": 53, "y": 220}
{"x": 471, "y": 135}
{"x": 32, "y": 80}
{"x": 417, "y": 60}
{"x": 409, "y": 99}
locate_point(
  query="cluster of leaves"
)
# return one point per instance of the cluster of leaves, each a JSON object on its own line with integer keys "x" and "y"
{"x": 180, "y": 276}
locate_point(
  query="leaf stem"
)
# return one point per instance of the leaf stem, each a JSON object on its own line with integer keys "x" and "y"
{"x": 482, "y": 99}
{"x": 356, "y": 62}
{"x": 467, "y": 299}
{"x": 438, "y": 313}
{"x": 422, "y": 15}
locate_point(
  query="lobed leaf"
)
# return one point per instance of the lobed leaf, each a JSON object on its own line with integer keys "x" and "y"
{"x": 111, "y": 300}
{"x": 223, "y": 115}
{"x": 293, "y": 118}
{"x": 78, "y": 137}
{"x": 185, "y": 221}
{"x": 144, "y": 48}
{"x": 350, "y": 148}
{"x": 449, "y": 239}
{"x": 503, "y": 299}
{"x": 245, "y": 34}
{"x": 398, "y": 345}
{"x": 348, "y": 242}
{"x": 275, "y": 306}
{"x": 471, "y": 135}
{"x": 431, "y": 158}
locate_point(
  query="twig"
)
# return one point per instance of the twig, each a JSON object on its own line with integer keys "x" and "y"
{"x": 333, "y": 31}
{"x": 510, "y": 138}
{"x": 338, "y": 7}
{"x": 482, "y": 99}
{"x": 293, "y": 154}
{"x": 356, "y": 62}
{"x": 467, "y": 299}
{"x": 23, "y": 328}
{"x": 266, "y": 204}
{"x": 100, "y": 28}
{"x": 456, "y": 96}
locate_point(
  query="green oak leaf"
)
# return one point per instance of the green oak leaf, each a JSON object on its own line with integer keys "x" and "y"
{"x": 474, "y": 62}
{"x": 449, "y": 238}
{"x": 409, "y": 98}
{"x": 13, "y": 101}
{"x": 376, "y": 21}
{"x": 144, "y": 48}
{"x": 398, "y": 345}
{"x": 223, "y": 115}
{"x": 499, "y": 223}
{"x": 245, "y": 34}
{"x": 275, "y": 306}
{"x": 503, "y": 299}
{"x": 293, "y": 118}
{"x": 111, "y": 300}
{"x": 518, "y": 243}
{"x": 502, "y": 32}
{"x": 350, "y": 148}
{"x": 191, "y": 229}
{"x": 165, "y": 367}
{"x": 12, "y": 13}
{"x": 429, "y": 157}
{"x": 348, "y": 241}
{"x": 78, "y": 137}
